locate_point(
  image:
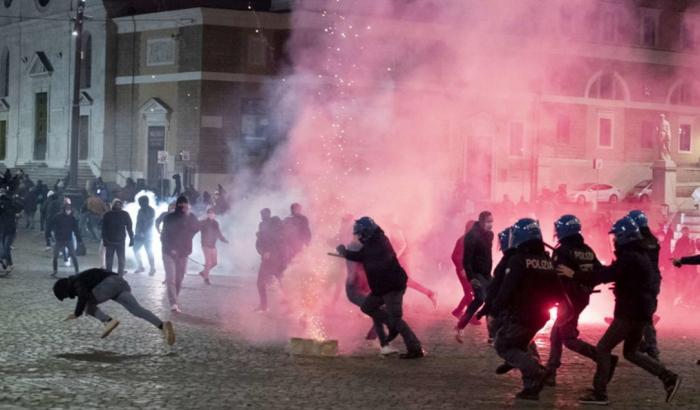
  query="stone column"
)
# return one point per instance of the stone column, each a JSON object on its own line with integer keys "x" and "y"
{"x": 664, "y": 182}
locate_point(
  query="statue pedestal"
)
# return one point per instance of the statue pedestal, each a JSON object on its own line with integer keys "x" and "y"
{"x": 663, "y": 173}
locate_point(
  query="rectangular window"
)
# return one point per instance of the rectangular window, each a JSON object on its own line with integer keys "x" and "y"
{"x": 41, "y": 125}
{"x": 647, "y": 135}
{"x": 563, "y": 129}
{"x": 84, "y": 137}
{"x": 684, "y": 141}
{"x": 605, "y": 132}
{"x": 517, "y": 142}
{"x": 257, "y": 51}
{"x": 649, "y": 31}
{"x": 3, "y": 139}
{"x": 255, "y": 126}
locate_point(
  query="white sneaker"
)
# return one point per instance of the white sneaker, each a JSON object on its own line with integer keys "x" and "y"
{"x": 66, "y": 264}
{"x": 109, "y": 327}
{"x": 175, "y": 308}
{"x": 169, "y": 333}
{"x": 387, "y": 350}
{"x": 48, "y": 248}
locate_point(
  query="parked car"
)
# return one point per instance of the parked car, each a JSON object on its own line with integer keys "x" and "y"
{"x": 640, "y": 192}
{"x": 588, "y": 192}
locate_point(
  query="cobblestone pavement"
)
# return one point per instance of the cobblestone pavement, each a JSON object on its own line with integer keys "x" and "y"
{"x": 228, "y": 357}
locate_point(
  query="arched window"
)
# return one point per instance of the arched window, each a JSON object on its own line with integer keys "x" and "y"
{"x": 607, "y": 85}
{"x": 86, "y": 60}
{"x": 5, "y": 72}
{"x": 685, "y": 92}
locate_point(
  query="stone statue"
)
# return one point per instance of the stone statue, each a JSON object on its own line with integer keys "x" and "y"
{"x": 664, "y": 134}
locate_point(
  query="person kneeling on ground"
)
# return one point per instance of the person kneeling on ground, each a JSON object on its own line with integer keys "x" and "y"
{"x": 95, "y": 286}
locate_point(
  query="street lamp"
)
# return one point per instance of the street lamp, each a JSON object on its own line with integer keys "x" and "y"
{"x": 72, "y": 190}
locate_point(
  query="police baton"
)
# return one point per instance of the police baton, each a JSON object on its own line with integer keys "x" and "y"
{"x": 198, "y": 263}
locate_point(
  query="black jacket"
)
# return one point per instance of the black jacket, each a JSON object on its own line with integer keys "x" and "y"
{"x": 82, "y": 284}
{"x": 30, "y": 201}
{"x": 384, "y": 273}
{"x": 297, "y": 233}
{"x": 270, "y": 240}
{"x": 636, "y": 282}
{"x": 499, "y": 274}
{"x": 210, "y": 233}
{"x": 530, "y": 287}
{"x": 63, "y": 226}
{"x": 115, "y": 225}
{"x": 144, "y": 221}
{"x": 477, "y": 252}
{"x": 653, "y": 249}
{"x": 9, "y": 208}
{"x": 52, "y": 206}
{"x": 178, "y": 231}
{"x": 575, "y": 254}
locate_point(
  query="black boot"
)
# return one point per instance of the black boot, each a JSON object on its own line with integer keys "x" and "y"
{"x": 504, "y": 368}
{"x": 412, "y": 354}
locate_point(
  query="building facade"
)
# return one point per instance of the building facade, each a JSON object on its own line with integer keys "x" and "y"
{"x": 182, "y": 87}
{"x": 36, "y": 80}
{"x": 185, "y": 82}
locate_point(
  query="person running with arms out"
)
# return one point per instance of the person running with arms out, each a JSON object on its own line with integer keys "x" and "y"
{"x": 95, "y": 286}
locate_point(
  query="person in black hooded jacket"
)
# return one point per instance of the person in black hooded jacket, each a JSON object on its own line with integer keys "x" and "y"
{"x": 387, "y": 282}
{"x": 10, "y": 207}
{"x": 116, "y": 224}
{"x": 63, "y": 226}
{"x": 179, "y": 227}
{"x": 95, "y": 286}
{"x": 477, "y": 264}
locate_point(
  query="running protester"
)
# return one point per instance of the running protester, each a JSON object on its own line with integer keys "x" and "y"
{"x": 95, "y": 286}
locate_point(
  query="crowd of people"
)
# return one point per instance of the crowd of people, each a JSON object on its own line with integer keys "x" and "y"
{"x": 518, "y": 294}
{"x": 515, "y": 296}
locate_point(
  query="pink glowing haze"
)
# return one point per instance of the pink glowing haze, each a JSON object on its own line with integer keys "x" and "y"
{"x": 396, "y": 111}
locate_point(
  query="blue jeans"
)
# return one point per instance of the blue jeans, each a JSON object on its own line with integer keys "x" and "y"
{"x": 7, "y": 239}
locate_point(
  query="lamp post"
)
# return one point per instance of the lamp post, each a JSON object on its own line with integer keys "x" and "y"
{"x": 72, "y": 190}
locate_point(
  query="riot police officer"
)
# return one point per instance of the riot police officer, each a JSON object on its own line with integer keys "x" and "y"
{"x": 529, "y": 290}
{"x": 573, "y": 252}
